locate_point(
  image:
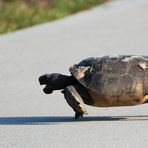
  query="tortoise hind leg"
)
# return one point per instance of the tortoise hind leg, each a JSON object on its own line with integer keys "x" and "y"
{"x": 144, "y": 99}
{"x": 75, "y": 101}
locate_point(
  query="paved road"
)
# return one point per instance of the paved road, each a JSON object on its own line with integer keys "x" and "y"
{"x": 30, "y": 119}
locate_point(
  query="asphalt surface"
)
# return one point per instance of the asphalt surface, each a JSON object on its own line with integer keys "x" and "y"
{"x": 31, "y": 119}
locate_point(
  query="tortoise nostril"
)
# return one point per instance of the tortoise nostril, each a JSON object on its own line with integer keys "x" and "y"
{"x": 42, "y": 80}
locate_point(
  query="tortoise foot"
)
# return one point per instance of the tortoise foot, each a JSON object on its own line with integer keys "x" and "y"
{"x": 78, "y": 115}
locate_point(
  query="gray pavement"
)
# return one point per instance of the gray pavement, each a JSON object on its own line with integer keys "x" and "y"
{"x": 30, "y": 119}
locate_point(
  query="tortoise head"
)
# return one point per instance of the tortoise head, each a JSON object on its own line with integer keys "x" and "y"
{"x": 54, "y": 81}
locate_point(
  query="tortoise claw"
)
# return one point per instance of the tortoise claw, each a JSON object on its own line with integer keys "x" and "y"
{"x": 78, "y": 115}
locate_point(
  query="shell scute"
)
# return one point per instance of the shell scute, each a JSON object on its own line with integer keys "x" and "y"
{"x": 97, "y": 82}
{"x": 125, "y": 85}
{"x": 111, "y": 86}
{"x": 114, "y": 68}
{"x": 136, "y": 67}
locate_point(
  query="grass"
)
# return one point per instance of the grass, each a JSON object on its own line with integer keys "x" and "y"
{"x": 17, "y": 14}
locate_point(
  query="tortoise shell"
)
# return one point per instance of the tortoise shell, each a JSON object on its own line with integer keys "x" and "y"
{"x": 117, "y": 76}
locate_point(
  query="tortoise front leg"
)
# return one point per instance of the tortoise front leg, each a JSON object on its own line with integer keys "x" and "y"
{"x": 74, "y": 99}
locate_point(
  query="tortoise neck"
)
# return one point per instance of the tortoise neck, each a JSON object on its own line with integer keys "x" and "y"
{"x": 71, "y": 81}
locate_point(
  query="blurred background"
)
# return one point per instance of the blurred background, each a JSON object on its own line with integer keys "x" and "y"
{"x": 17, "y": 14}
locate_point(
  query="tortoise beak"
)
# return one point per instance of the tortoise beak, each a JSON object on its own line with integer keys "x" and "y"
{"x": 47, "y": 90}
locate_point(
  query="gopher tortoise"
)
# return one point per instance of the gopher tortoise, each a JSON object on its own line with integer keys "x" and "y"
{"x": 107, "y": 81}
